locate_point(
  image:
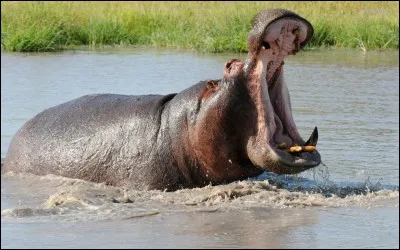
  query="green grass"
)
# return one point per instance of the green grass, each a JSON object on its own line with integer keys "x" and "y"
{"x": 202, "y": 26}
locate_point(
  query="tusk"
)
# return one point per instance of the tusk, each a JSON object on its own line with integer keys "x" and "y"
{"x": 313, "y": 138}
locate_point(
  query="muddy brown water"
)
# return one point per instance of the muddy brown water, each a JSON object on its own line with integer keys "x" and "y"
{"x": 352, "y": 201}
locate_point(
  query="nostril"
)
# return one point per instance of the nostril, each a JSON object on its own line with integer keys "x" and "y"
{"x": 296, "y": 31}
{"x": 266, "y": 45}
{"x": 228, "y": 64}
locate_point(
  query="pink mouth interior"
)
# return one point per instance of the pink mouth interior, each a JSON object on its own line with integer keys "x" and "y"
{"x": 283, "y": 38}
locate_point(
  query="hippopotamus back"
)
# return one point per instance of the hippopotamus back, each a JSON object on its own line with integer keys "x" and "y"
{"x": 91, "y": 138}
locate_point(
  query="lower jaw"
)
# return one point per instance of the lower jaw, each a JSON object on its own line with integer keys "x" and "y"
{"x": 283, "y": 162}
{"x": 282, "y": 168}
{"x": 286, "y": 169}
{"x": 293, "y": 163}
{"x": 279, "y": 161}
{"x": 271, "y": 158}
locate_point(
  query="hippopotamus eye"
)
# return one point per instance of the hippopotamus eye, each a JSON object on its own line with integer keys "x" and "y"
{"x": 265, "y": 45}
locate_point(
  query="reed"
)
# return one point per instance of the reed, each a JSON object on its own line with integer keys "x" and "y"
{"x": 202, "y": 26}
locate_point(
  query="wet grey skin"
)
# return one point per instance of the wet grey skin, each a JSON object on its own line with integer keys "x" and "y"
{"x": 213, "y": 132}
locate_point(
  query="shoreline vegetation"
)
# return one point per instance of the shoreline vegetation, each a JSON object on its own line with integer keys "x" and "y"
{"x": 201, "y": 26}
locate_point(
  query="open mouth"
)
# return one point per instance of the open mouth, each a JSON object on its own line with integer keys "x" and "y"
{"x": 286, "y": 147}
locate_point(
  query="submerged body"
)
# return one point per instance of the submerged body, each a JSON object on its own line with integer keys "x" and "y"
{"x": 213, "y": 132}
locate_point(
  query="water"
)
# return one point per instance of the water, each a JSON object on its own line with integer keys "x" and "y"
{"x": 350, "y": 202}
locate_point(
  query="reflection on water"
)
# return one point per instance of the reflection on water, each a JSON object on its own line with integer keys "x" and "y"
{"x": 251, "y": 229}
{"x": 352, "y": 201}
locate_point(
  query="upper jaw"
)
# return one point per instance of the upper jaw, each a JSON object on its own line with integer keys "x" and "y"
{"x": 272, "y": 22}
{"x": 282, "y": 38}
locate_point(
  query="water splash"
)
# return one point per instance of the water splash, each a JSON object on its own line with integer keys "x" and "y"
{"x": 321, "y": 184}
{"x": 70, "y": 199}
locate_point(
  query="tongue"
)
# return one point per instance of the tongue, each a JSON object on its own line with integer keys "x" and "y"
{"x": 281, "y": 135}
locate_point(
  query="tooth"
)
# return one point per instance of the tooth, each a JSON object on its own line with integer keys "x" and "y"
{"x": 309, "y": 148}
{"x": 282, "y": 146}
{"x": 295, "y": 149}
{"x": 299, "y": 149}
{"x": 313, "y": 138}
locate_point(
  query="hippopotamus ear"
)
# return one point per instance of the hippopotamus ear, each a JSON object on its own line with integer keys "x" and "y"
{"x": 210, "y": 88}
{"x": 211, "y": 85}
{"x": 265, "y": 18}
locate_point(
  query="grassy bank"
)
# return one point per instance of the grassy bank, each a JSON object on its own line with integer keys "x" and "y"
{"x": 203, "y": 26}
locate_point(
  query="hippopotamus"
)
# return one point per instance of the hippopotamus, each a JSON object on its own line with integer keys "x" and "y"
{"x": 214, "y": 132}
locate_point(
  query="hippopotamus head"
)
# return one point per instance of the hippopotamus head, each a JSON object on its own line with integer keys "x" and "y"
{"x": 246, "y": 117}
